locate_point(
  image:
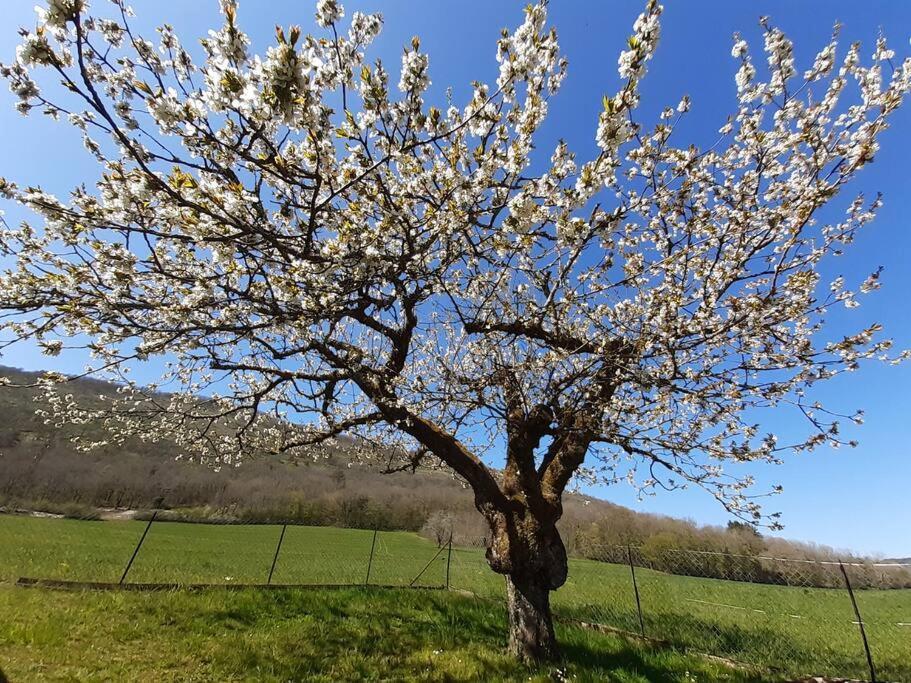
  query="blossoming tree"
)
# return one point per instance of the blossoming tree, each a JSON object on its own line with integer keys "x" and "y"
{"x": 319, "y": 253}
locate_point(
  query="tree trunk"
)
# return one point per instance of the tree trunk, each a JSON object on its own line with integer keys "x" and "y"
{"x": 525, "y": 546}
{"x": 531, "y": 627}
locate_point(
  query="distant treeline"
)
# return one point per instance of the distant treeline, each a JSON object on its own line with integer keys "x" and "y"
{"x": 40, "y": 470}
{"x": 78, "y": 484}
{"x": 737, "y": 552}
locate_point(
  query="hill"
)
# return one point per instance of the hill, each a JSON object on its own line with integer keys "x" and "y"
{"x": 41, "y": 470}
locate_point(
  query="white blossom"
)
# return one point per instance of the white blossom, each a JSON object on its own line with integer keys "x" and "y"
{"x": 329, "y": 12}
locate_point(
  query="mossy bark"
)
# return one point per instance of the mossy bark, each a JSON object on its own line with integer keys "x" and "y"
{"x": 531, "y": 627}
{"x": 530, "y": 553}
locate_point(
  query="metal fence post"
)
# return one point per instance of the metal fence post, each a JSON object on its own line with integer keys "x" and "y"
{"x": 448, "y": 561}
{"x": 277, "y": 550}
{"x": 370, "y": 561}
{"x": 426, "y": 566}
{"x": 860, "y": 623}
{"x": 138, "y": 546}
{"x": 632, "y": 569}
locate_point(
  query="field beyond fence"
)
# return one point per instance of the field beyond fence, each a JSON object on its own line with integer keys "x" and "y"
{"x": 790, "y": 626}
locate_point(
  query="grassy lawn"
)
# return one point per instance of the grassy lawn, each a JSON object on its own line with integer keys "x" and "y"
{"x": 801, "y": 631}
{"x": 804, "y": 631}
{"x": 299, "y": 635}
{"x": 207, "y": 553}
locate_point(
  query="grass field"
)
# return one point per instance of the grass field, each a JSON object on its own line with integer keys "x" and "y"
{"x": 800, "y": 631}
{"x": 793, "y": 630}
{"x": 301, "y": 635}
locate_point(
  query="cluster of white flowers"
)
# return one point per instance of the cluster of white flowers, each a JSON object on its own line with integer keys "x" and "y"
{"x": 822, "y": 65}
{"x": 59, "y": 12}
{"x": 329, "y": 12}
{"x": 747, "y": 72}
{"x": 20, "y": 84}
{"x": 780, "y": 55}
{"x": 364, "y": 28}
{"x": 112, "y": 32}
{"x": 414, "y": 77}
{"x": 167, "y": 110}
{"x": 613, "y": 126}
{"x": 227, "y": 46}
{"x": 285, "y": 74}
{"x": 481, "y": 112}
{"x": 644, "y": 41}
{"x": 530, "y": 54}
{"x": 34, "y": 50}
{"x": 740, "y": 48}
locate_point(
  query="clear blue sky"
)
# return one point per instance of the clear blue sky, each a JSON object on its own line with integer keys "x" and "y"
{"x": 858, "y": 499}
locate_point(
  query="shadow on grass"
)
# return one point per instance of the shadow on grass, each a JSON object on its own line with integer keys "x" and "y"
{"x": 402, "y": 635}
{"x": 752, "y": 645}
{"x": 305, "y": 635}
{"x": 641, "y": 661}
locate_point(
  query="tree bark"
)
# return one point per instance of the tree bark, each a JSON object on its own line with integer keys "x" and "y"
{"x": 525, "y": 544}
{"x": 531, "y": 627}
{"x": 532, "y": 557}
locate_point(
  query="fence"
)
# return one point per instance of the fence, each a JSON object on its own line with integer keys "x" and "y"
{"x": 785, "y": 616}
{"x": 168, "y": 553}
{"x": 794, "y": 617}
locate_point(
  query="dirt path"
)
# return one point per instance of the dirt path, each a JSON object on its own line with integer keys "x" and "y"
{"x": 114, "y": 515}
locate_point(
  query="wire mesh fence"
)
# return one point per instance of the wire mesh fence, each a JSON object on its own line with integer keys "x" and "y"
{"x": 795, "y": 617}
{"x": 179, "y": 553}
{"x": 787, "y": 616}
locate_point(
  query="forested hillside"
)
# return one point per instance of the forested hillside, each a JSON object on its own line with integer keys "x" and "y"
{"x": 41, "y": 470}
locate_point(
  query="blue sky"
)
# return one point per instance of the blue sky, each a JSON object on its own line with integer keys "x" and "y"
{"x": 858, "y": 499}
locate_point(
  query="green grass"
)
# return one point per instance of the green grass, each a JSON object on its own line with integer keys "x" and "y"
{"x": 206, "y": 553}
{"x": 300, "y": 635}
{"x": 800, "y": 631}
